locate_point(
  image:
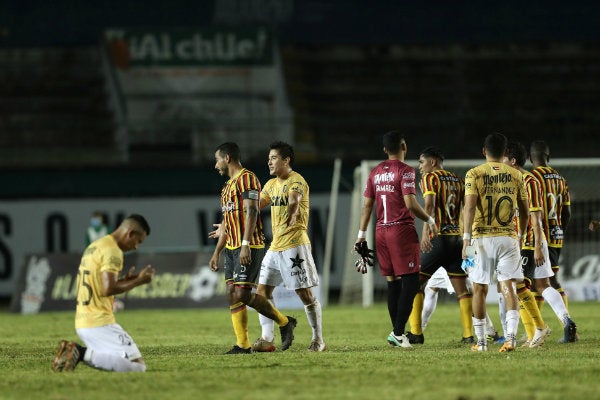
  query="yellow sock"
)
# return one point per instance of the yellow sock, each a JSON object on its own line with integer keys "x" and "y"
{"x": 529, "y": 304}
{"x": 239, "y": 318}
{"x": 539, "y": 300}
{"x": 527, "y": 322}
{"x": 465, "y": 303}
{"x": 415, "y": 315}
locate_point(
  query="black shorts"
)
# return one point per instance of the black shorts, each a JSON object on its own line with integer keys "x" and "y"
{"x": 554, "y": 256}
{"x": 447, "y": 253}
{"x": 528, "y": 264}
{"x": 237, "y": 274}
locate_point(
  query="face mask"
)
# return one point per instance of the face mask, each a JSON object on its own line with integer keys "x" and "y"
{"x": 95, "y": 222}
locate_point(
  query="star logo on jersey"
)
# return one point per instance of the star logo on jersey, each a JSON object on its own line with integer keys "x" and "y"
{"x": 297, "y": 262}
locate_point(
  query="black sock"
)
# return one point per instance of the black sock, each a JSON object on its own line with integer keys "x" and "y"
{"x": 394, "y": 288}
{"x": 409, "y": 288}
{"x": 81, "y": 351}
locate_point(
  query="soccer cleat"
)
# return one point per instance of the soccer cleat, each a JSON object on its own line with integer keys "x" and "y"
{"x": 506, "y": 347}
{"x": 570, "y": 332}
{"x": 287, "y": 333}
{"x": 494, "y": 337}
{"x": 479, "y": 347}
{"x": 398, "y": 341}
{"x": 263, "y": 346}
{"x": 238, "y": 350}
{"x": 500, "y": 340}
{"x": 468, "y": 340}
{"x": 67, "y": 356}
{"x": 317, "y": 345}
{"x": 415, "y": 339}
{"x": 539, "y": 337}
{"x": 526, "y": 343}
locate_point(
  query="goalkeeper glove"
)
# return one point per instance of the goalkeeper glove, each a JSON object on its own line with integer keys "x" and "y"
{"x": 367, "y": 256}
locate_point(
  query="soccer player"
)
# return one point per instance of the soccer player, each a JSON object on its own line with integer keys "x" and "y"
{"x": 241, "y": 235}
{"x": 534, "y": 257}
{"x": 108, "y": 346}
{"x": 443, "y": 192}
{"x": 289, "y": 259}
{"x": 391, "y": 185}
{"x": 556, "y": 206}
{"x": 492, "y": 192}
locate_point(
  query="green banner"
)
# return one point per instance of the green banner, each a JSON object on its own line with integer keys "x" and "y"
{"x": 190, "y": 47}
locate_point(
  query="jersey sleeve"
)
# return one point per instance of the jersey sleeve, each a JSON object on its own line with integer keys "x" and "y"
{"x": 249, "y": 186}
{"x": 369, "y": 190}
{"x": 408, "y": 181}
{"x": 112, "y": 260}
{"x": 534, "y": 194}
{"x": 470, "y": 183}
{"x": 299, "y": 186}
{"x": 265, "y": 192}
{"x": 428, "y": 186}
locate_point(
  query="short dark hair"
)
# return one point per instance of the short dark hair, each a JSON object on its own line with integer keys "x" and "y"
{"x": 392, "y": 141}
{"x": 495, "y": 144}
{"x": 230, "y": 149}
{"x": 141, "y": 221}
{"x": 517, "y": 151}
{"x": 284, "y": 149}
{"x": 540, "y": 150}
{"x": 433, "y": 152}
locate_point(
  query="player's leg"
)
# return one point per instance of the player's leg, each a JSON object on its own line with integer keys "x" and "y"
{"x": 110, "y": 348}
{"x": 430, "y": 296}
{"x": 554, "y": 254}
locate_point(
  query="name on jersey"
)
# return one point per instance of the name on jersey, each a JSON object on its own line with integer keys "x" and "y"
{"x": 552, "y": 176}
{"x": 499, "y": 178}
{"x": 385, "y": 188}
{"x": 449, "y": 178}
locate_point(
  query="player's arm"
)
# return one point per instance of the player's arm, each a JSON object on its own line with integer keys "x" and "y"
{"x": 523, "y": 206}
{"x": 468, "y": 217}
{"x": 538, "y": 233}
{"x": 213, "y": 263}
{"x": 365, "y": 217}
{"x": 565, "y": 217}
{"x": 413, "y": 205}
{"x": 250, "y": 217}
{"x": 293, "y": 207}
{"x": 111, "y": 284}
{"x": 429, "y": 209}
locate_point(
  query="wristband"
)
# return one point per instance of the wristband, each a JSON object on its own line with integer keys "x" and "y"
{"x": 466, "y": 236}
{"x": 245, "y": 243}
{"x": 362, "y": 234}
{"x": 431, "y": 220}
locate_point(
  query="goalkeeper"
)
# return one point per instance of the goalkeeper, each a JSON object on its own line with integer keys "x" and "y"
{"x": 391, "y": 185}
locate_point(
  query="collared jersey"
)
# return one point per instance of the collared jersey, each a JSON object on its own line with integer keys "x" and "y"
{"x": 388, "y": 182}
{"x": 277, "y": 193}
{"x": 244, "y": 185}
{"x": 555, "y": 195}
{"x": 449, "y": 190}
{"x": 93, "y": 309}
{"x": 497, "y": 187}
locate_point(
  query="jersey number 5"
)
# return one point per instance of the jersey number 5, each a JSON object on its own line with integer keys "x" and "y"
{"x": 84, "y": 298}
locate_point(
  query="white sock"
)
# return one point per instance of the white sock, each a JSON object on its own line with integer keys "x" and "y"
{"x": 554, "y": 298}
{"x": 512, "y": 324}
{"x": 502, "y": 313}
{"x": 489, "y": 325}
{"x": 110, "y": 362}
{"x": 267, "y": 325}
{"x": 314, "y": 315}
{"x": 429, "y": 304}
{"x": 479, "y": 328}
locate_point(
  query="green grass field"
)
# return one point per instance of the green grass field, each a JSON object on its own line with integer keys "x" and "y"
{"x": 183, "y": 350}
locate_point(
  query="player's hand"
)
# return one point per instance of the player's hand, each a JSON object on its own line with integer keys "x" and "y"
{"x": 146, "y": 274}
{"x": 367, "y": 255}
{"x": 538, "y": 256}
{"x": 245, "y": 255}
{"x": 213, "y": 263}
{"x": 594, "y": 225}
{"x": 291, "y": 221}
{"x": 426, "y": 245}
{"x": 433, "y": 229}
{"x": 216, "y": 233}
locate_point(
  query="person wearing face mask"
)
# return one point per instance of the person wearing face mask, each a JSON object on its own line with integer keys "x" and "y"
{"x": 97, "y": 228}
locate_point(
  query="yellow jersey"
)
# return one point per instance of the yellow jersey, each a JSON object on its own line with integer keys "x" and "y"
{"x": 498, "y": 187}
{"x": 277, "y": 193}
{"x": 93, "y": 309}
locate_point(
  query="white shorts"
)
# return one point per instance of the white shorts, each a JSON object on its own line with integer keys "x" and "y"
{"x": 440, "y": 280}
{"x": 294, "y": 267}
{"x": 110, "y": 339}
{"x": 497, "y": 254}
